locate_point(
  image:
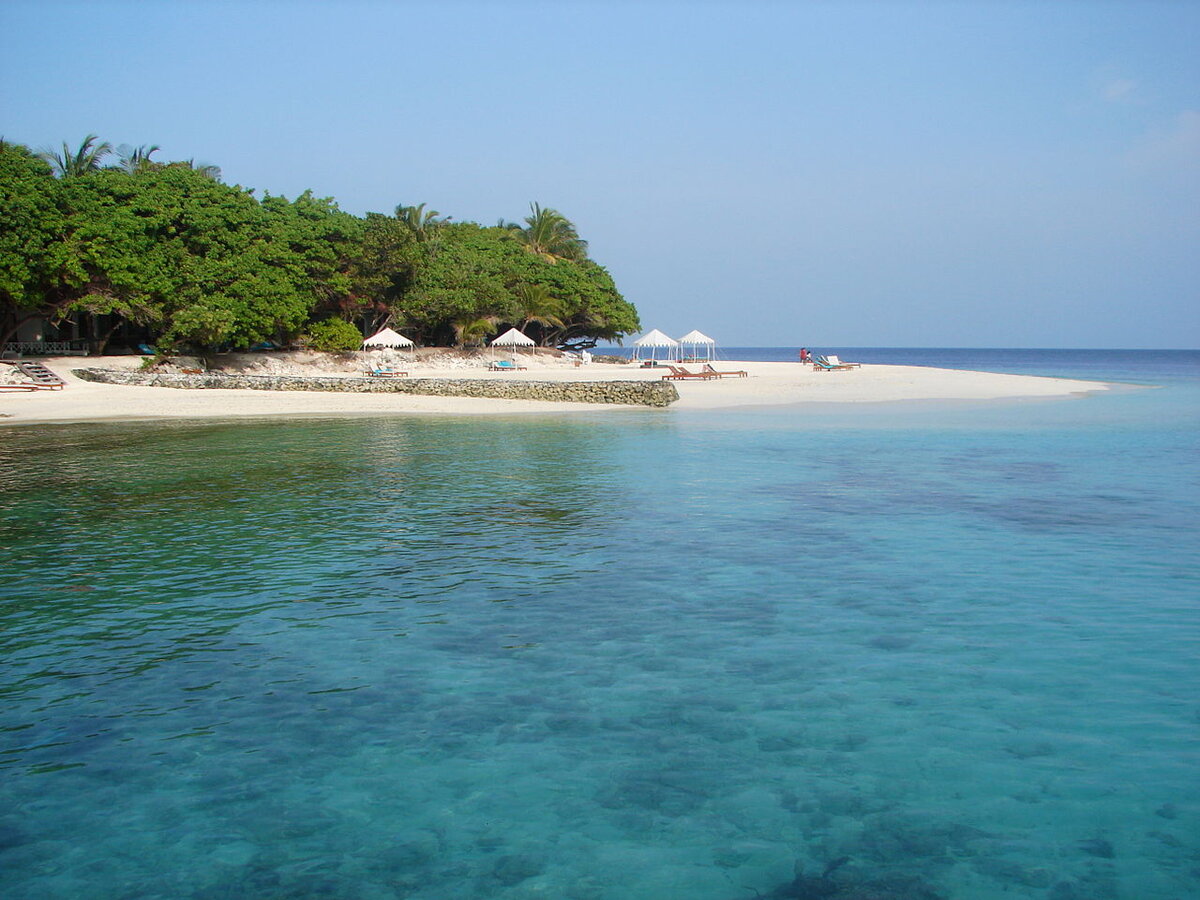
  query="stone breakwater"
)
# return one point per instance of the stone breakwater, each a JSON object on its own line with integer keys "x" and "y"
{"x": 634, "y": 393}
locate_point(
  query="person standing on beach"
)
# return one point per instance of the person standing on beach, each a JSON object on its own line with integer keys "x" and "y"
{"x": 804, "y": 357}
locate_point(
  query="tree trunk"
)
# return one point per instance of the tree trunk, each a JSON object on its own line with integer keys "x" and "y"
{"x": 102, "y": 343}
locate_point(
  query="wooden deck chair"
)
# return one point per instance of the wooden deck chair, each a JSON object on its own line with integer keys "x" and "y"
{"x": 678, "y": 373}
{"x": 738, "y": 373}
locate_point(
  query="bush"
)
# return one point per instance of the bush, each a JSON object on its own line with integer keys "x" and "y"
{"x": 334, "y": 335}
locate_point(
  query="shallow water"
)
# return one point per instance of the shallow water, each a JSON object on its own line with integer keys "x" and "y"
{"x": 948, "y": 650}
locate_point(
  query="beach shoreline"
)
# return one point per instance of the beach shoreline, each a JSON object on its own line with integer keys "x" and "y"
{"x": 772, "y": 384}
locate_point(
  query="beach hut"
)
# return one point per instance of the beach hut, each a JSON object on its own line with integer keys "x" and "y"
{"x": 386, "y": 338}
{"x": 513, "y": 338}
{"x": 652, "y": 341}
{"x": 697, "y": 347}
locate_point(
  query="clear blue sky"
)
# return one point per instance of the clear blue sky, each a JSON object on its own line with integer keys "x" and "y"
{"x": 859, "y": 174}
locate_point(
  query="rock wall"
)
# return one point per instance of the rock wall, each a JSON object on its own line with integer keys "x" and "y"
{"x": 636, "y": 393}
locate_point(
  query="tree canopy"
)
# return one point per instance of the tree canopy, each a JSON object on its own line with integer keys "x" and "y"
{"x": 168, "y": 250}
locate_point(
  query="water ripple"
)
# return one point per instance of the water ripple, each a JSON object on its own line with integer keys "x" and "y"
{"x": 599, "y": 659}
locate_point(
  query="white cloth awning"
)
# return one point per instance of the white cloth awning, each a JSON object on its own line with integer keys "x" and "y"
{"x": 655, "y": 338}
{"x": 513, "y": 338}
{"x": 387, "y": 338}
{"x": 696, "y": 337}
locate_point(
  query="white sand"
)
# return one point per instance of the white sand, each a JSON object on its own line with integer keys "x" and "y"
{"x": 769, "y": 383}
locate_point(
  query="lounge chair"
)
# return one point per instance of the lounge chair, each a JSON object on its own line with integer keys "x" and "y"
{"x": 822, "y": 364}
{"x": 833, "y": 360}
{"x": 739, "y": 373}
{"x": 504, "y": 365}
{"x": 678, "y": 373}
{"x": 383, "y": 373}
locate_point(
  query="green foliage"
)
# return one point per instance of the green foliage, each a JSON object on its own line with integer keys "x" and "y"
{"x": 423, "y": 225}
{"x": 474, "y": 271}
{"x": 470, "y": 331}
{"x": 166, "y": 245}
{"x": 84, "y": 160}
{"x": 31, "y": 226}
{"x": 135, "y": 159}
{"x": 550, "y": 234}
{"x": 537, "y": 306}
{"x": 324, "y": 243}
{"x": 334, "y": 335}
{"x": 380, "y": 270}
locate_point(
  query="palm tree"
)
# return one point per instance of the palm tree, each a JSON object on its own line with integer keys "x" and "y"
{"x": 551, "y": 235}
{"x": 471, "y": 329}
{"x": 206, "y": 169}
{"x": 84, "y": 160}
{"x": 135, "y": 159}
{"x": 421, "y": 223}
{"x": 538, "y": 306}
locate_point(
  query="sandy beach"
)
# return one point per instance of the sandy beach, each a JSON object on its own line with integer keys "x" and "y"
{"x": 766, "y": 384}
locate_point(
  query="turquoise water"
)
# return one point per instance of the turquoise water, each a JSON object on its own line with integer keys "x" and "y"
{"x": 931, "y": 651}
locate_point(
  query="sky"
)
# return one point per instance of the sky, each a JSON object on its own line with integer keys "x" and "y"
{"x": 890, "y": 173}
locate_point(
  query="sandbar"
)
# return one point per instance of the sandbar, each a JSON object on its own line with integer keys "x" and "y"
{"x": 767, "y": 384}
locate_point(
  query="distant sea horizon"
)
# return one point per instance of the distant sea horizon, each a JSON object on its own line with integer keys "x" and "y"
{"x": 1099, "y": 364}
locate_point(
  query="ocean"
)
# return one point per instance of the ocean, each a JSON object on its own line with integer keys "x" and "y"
{"x": 916, "y": 650}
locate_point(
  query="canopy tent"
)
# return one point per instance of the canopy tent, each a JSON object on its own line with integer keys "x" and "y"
{"x": 702, "y": 346}
{"x": 513, "y": 338}
{"x": 653, "y": 339}
{"x": 387, "y": 338}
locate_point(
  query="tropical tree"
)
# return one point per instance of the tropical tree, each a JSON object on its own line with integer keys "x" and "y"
{"x": 473, "y": 330}
{"x": 31, "y": 232}
{"x": 84, "y": 160}
{"x": 538, "y": 307}
{"x": 334, "y": 336}
{"x": 324, "y": 240}
{"x": 381, "y": 270}
{"x": 423, "y": 224}
{"x": 135, "y": 159}
{"x": 195, "y": 261}
{"x": 199, "y": 262}
{"x": 551, "y": 235}
{"x": 206, "y": 169}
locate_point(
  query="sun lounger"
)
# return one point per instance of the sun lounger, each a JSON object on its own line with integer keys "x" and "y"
{"x": 738, "y": 373}
{"x": 504, "y": 365}
{"x": 833, "y": 360}
{"x": 678, "y": 373}
{"x": 822, "y": 364}
{"x": 383, "y": 373}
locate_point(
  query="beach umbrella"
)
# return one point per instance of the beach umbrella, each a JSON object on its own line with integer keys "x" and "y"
{"x": 696, "y": 340}
{"x": 653, "y": 339}
{"x": 387, "y": 338}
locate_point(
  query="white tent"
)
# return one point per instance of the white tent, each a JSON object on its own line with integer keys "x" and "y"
{"x": 387, "y": 338}
{"x": 702, "y": 346}
{"x": 513, "y": 338}
{"x": 653, "y": 339}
